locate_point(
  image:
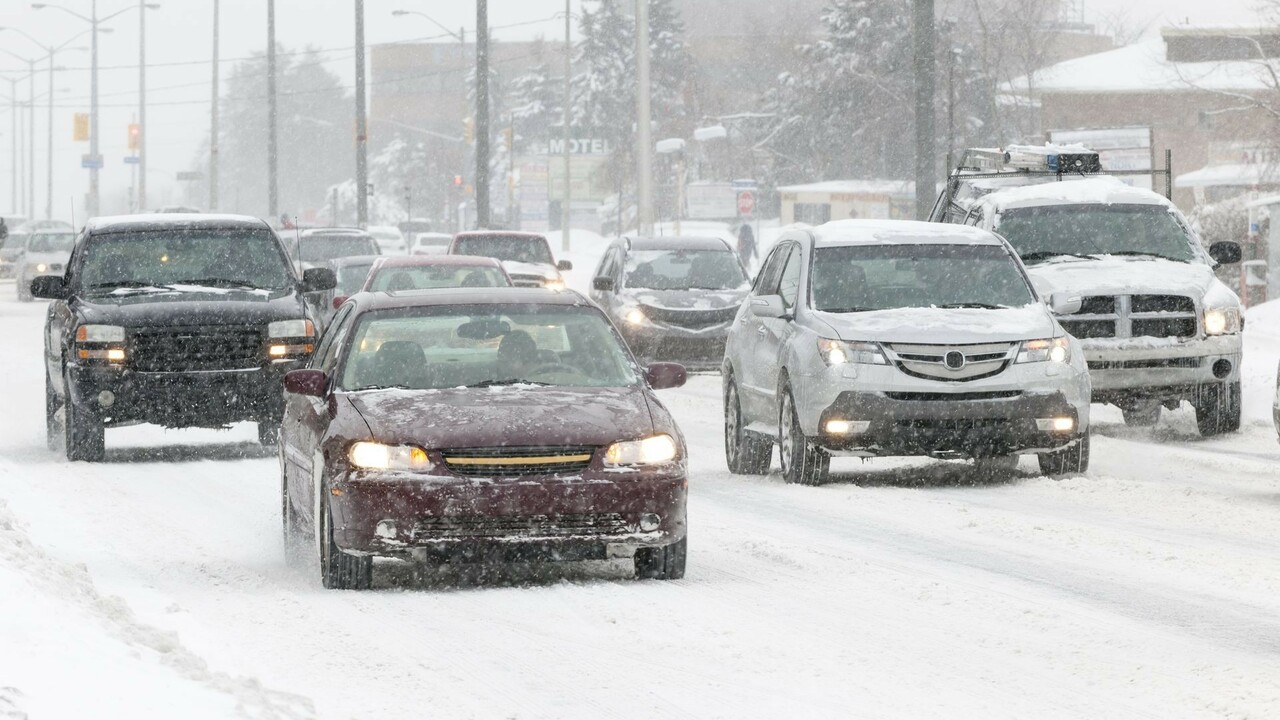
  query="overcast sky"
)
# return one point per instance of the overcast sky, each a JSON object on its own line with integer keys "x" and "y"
{"x": 179, "y": 43}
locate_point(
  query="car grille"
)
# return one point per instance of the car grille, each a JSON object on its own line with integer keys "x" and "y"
{"x": 954, "y": 425}
{"x": 518, "y": 461}
{"x": 953, "y": 397}
{"x": 690, "y": 319}
{"x": 929, "y": 361}
{"x": 533, "y": 281}
{"x": 196, "y": 349}
{"x": 517, "y": 526}
{"x": 1126, "y": 316}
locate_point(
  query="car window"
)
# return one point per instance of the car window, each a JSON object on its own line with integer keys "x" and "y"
{"x": 684, "y": 270}
{"x": 327, "y": 353}
{"x": 1040, "y": 234}
{"x": 505, "y": 247}
{"x": 767, "y": 279}
{"x": 51, "y": 242}
{"x": 322, "y": 248}
{"x": 217, "y": 258}
{"x": 608, "y": 264}
{"x": 429, "y": 277}
{"x": 789, "y": 282}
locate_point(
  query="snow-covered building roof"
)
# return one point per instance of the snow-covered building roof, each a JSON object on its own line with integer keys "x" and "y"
{"x": 1230, "y": 175}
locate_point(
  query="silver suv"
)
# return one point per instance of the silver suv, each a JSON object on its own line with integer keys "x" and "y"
{"x": 878, "y": 338}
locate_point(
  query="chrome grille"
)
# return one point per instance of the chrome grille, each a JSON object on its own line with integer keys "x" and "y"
{"x": 1127, "y": 316}
{"x": 517, "y": 526}
{"x": 519, "y": 461}
{"x": 930, "y": 361}
{"x": 196, "y": 349}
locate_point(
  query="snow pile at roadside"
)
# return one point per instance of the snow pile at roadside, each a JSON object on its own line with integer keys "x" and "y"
{"x": 1261, "y": 357}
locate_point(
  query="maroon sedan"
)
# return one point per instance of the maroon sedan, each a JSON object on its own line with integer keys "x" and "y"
{"x": 477, "y": 425}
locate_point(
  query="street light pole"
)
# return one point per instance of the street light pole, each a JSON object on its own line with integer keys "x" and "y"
{"x": 482, "y": 114}
{"x": 273, "y": 197}
{"x": 213, "y": 120}
{"x": 48, "y": 191}
{"x": 92, "y": 208}
{"x": 925, "y": 70}
{"x": 362, "y": 130}
{"x": 644, "y": 145}
{"x": 566, "y": 210}
{"x": 142, "y": 105}
{"x": 31, "y": 138}
{"x": 13, "y": 144}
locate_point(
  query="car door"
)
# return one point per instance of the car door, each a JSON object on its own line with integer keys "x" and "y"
{"x": 744, "y": 344}
{"x": 774, "y": 333}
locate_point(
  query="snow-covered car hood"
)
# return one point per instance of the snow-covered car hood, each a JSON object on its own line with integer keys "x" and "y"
{"x": 505, "y": 416}
{"x": 1122, "y": 276}
{"x": 542, "y": 270}
{"x": 686, "y": 299}
{"x": 939, "y": 326}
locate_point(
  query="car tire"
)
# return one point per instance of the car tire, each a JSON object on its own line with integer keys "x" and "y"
{"x": 744, "y": 452}
{"x": 1218, "y": 409}
{"x": 662, "y": 563}
{"x": 85, "y": 435}
{"x": 1072, "y": 460}
{"x": 803, "y": 462}
{"x": 340, "y": 570}
{"x": 1141, "y": 414}
{"x": 52, "y": 432}
{"x": 268, "y": 433}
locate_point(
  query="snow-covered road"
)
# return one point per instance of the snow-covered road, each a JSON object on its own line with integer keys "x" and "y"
{"x": 154, "y": 585}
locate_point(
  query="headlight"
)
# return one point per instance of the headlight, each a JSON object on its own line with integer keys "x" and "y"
{"x": 649, "y": 451}
{"x": 100, "y": 333}
{"x": 839, "y": 352}
{"x": 1221, "y": 321}
{"x": 553, "y": 284}
{"x": 40, "y": 267}
{"x": 636, "y": 316}
{"x": 1054, "y": 350}
{"x": 291, "y": 329}
{"x": 376, "y": 456}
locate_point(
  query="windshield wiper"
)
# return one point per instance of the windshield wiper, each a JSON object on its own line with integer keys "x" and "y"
{"x": 383, "y": 387}
{"x": 980, "y": 306}
{"x": 1046, "y": 255}
{"x": 137, "y": 285}
{"x": 215, "y": 282}
{"x": 1143, "y": 253}
{"x": 848, "y": 309}
{"x": 498, "y": 383}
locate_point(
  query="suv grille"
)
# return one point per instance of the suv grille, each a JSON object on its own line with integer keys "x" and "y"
{"x": 516, "y": 526}
{"x": 930, "y": 361}
{"x": 1125, "y": 316}
{"x": 518, "y": 461}
{"x": 691, "y": 319}
{"x": 196, "y": 349}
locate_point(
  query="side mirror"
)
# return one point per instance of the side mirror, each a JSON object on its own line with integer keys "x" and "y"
{"x": 337, "y": 301}
{"x": 1225, "y": 252}
{"x": 665, "y": 375}
{"x": 306, "y": 382}
{"x": 318, "y": 280}
{"x": 1065, "y": 303}
{"x": 768, "y": 306}
{"x": 564, "y": 265}
{"x": 50, "y": 287}
{"x": 603, "y": 284}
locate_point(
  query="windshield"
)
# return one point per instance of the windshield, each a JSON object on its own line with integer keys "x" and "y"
{"x": 448, "y": 346}
{"x": 352, "y": 277}
{"x": 433, "y": 240}
{"x": 51, "y": 243}
{"x": 210, "y": 257}
{"x": 506, "y": 247}
{"x": 684, "y": 270}
{"x": 15, "y": 240}
{"x": 395, "y": 279}
{"x": 1045, "y": 233}
{"x": 320, "y": 248}
{"x": 881, "y": 277}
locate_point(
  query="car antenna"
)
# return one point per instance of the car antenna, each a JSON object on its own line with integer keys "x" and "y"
{"x": 297, "y": 237}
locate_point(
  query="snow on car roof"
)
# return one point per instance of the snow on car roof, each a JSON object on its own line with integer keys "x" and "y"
{"x": 158, "y": 221}
{"x": 469, "y": 296}
{"x": 1086, "y": 191}
{"x": 899, "y": 232}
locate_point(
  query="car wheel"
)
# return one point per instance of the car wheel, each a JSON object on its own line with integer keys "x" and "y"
{"x": 744, "y": 452}
{"x": 1218, "y": 409}
{"x": 803, "y": 463}
{"x": 269, "y": 433}
{"x": 340, "y": 570}
{"x": 52, "y": 433}
{"x": 1141, "y": 414}
{"x": 662, "y": 563}
{"x": 85, "y": 436}
{"x": 1072, "y": 460}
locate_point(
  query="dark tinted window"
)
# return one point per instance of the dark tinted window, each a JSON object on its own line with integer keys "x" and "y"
{"x": 684, "y": 270}
{"x": 205, "y": 257}
{"x": 506, "y": 247}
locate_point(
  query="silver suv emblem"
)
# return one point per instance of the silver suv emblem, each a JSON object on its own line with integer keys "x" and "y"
{"x": 954, "y": 360}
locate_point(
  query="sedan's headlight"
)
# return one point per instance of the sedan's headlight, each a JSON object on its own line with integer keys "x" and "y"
{"x": 376, "y": 456}
{"x": 1222, "y": 321}
{"x": 840, "y": 352}
{"x": 291, "y": 329}
{"x": 649, "y": 451}
{"x": 100, "y": 334}
{"x": 1051, "y": 350}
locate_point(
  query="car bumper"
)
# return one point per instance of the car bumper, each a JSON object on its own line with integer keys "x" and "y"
{"x": 1159, "y": 368}
{"x": 185, "y": 399}
{"x": 443, "y": 518}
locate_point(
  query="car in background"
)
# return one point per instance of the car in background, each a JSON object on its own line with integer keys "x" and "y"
{"x": 673, "y": 298}
{"x": 526, "y": 256}
{"x": 316, "y": 247}
{"x": 45, "y": 252}
{"x": 433, "y": 427}
{"x": 879, "y": 338}
{"x": 178, "y": 210}
{"x": 436, "y": 272}
{"x": 11, "y": 252}
{"x": 350, "y": 273}
{"x": 175, "y": 320}
{"x": 430, "y": 243}
{"x": 390, "y": 239}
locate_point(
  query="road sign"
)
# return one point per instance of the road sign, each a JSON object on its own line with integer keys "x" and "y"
{"x": 132, "y": 160}
{"x": 91, "y": 162}
{"x": 746, "y": 202}
{"x": 81, "y": 127}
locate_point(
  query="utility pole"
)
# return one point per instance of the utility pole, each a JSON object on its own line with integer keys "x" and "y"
{"x": 482, "y": 114}
{"x": 566, "y": 208}
{"x": 31, "y": 138}
{"x": 362, "y": 132}
{"x": 48, "y": 191}
{"x": 273, "y": 197}
{"x": 213, "y": 120}
{"x": 92, "y": 208}
{"x": 644, "y": 143}
{"x": 923, "y": 42}
{"x": 13, "y": 145}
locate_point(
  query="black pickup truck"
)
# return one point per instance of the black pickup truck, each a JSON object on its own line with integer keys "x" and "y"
{"x": 177, "y": 320}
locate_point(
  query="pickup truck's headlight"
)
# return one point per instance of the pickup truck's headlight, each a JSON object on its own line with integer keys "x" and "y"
{"x": 1052, "y": 350}
{"x": 555, "y": 283}
{"x": 649, "y": 451}
{"x": 839, "y": 352}
{"x": 100, "y": 342}
{"x": 100, "y": 333}
{"x": 376, "y": 456}
{"x": 291, "y": 329}
{"x": 1222, "y": 321}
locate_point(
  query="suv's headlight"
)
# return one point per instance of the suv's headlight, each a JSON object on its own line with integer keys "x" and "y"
{"x": 635, "y": 316}
{"x": 1222, "y": 321}
{"x": 1051, "y": 350}
{"x": 840, "y": 352}
{"x": 100, "y": 333}
{"x": 291, "y": 329}
{"x": 376, "y": 456}
{"x": 100, "y": 342}
{"x": 649, "y": 451}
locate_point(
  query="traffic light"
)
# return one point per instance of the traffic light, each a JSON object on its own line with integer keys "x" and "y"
{"x": 135, "y": 136}
{"x": 457, "y": 181}
{"x": 81, "y": 130}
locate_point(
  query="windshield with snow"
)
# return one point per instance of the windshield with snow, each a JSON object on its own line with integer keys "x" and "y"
{"x": 1041, "y": 234}
{"x": 453, "y": 346}
{"x": 51, "y": 243}
{"x": 208, "y": 258}
{"x": 684, "y": 270}
{"x": 507, "y": 248}
{"x": 322, "y": 248}
{"x": 860, "y": 278}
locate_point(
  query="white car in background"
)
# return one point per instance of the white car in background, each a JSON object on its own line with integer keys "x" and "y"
{"x": 45, "y": 252}
{"x": 430, "y": 243}
{"x": 389, "y": 238}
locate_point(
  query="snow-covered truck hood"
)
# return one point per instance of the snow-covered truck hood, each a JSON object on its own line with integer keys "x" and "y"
{"x": 1112, "y": 275}
{"x": 943, "y": 326}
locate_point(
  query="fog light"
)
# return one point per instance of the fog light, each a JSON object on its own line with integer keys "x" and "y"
{"x": 386, "y": 529}
{"x": 106, "y": 398}
{"x": 847, "y": 427}
{"x": 650, "y": 522}
{"x": 1058, "y": 424}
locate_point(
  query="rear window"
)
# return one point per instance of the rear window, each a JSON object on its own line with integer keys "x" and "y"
{"x": 321, "y": 248}
{"x": 506, "y": 247}
{"x": 51, "y": 243}
{"x": 397, "y": 279}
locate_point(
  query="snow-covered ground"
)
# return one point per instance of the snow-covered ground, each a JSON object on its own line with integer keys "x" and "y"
{"x": 154, "y": 586}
